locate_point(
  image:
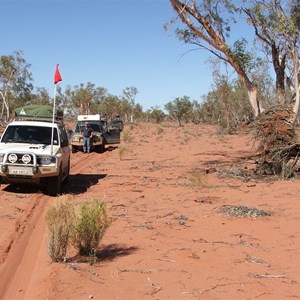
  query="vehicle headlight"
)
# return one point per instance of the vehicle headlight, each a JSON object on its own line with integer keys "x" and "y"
{"x": 12, "y": 158}
{"x": 46, "y": 160}
{"x": 75, "y": 138}
{"x": 26, "y": 158}
{"x": 96, "y": 138}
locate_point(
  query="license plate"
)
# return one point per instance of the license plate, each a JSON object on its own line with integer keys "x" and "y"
{"x": 18, "y": 171}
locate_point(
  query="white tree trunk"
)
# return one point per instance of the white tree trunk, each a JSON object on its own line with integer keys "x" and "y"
{"x": 297, "y": 102}
{"x": 252, "y": 94}
{"x": 4, "y": 106}
{"x": 297, "y": 87}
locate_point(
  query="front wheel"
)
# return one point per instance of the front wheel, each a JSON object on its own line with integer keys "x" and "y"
{"x": 53, "y": 185}
{"x": 67, "y": 177}
{"x": 100, "y": 148}
{"x": 74, "y": 149}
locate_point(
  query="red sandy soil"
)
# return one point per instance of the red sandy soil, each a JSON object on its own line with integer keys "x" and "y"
{"x": 168, "y": 238}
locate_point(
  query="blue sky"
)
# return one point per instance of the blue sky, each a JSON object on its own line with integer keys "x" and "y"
{"x": 114, "y": 44}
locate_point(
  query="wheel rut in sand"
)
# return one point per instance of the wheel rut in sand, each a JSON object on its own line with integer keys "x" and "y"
{"x": 25, "y": 251}
{"x": 19, "y": 264}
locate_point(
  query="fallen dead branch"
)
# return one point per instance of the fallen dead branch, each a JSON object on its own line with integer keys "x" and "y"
{"x": 260, "y": 276}
{"x": 255, "y": 260}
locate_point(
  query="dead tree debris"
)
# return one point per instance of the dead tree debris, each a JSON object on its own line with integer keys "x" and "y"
{"x": 278, "y": 150}
{"x": 242, "y": 211}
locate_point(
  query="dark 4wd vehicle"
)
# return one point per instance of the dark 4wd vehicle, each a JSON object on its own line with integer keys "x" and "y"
{"x": 102, "y": 135}
{"x": 117, "y": 123}
{"x": 35, "y": 150}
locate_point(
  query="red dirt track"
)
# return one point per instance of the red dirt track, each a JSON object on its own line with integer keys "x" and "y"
{"x": 167, "y": 239}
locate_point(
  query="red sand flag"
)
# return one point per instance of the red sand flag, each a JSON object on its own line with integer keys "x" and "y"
{"x": 57, "y": 76}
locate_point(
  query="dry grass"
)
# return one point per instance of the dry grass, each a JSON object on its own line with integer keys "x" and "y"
{"x": 59, "y": 217}
{"x": 89, "y": 225}
{"x": 82, "y": 224}
{"x": 199, "y": 178}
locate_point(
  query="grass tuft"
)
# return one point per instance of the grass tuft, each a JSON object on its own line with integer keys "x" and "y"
{"x": 89, "y": 226}
{"x": 59, "y": 217}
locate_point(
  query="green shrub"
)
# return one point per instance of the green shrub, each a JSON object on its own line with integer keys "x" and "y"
{"x": 89, "y": 226}
{"x": 59, "y": 217}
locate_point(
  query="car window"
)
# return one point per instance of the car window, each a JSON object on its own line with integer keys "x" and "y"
{"x": 29, "y": 134}
{"x": 64, "y": 137}
{"x": 95, "y": 126}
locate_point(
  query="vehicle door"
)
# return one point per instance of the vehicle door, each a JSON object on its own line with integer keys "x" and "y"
{"x": 111, "y": 135}
{"x": 64, "y": 142}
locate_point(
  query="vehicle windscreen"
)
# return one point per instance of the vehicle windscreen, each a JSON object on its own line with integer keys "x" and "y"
{"x": 117, "y": 122}
{"x": 30, "y": 135}
{"x": 94, "y": 126}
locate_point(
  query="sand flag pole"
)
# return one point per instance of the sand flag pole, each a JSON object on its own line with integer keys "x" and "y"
{"x": 57, "y": 78}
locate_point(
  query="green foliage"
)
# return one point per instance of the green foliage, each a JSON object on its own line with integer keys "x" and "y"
{"x": 179, "y": 109}
{"x": 59, "y": 218}
{"x": 15, "y": 83}
{"x": 129, "y": 96}
{"x": 81, "y": 99}
{"x": 111, "y": 105}
{"x": 41, "y": 96}
{"x": 241, "y": 55}
{"x": 89, "y": 226}
{"x": 157, "y": 115}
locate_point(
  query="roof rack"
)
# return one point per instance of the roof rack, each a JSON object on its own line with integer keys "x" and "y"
{"x": 37, "y": 112}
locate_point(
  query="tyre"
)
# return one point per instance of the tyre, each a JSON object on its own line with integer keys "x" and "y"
{"x": 53, "y": 186}
{"x": 74, "y": 149}
{"x": 67, "y": 177}
{"x": 100, "y": 148}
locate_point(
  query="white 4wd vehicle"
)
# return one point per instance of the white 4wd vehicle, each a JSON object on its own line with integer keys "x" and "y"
{"x": 28, "y": 156}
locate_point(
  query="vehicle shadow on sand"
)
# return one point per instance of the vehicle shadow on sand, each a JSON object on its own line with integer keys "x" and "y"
{"x": 22, "y": 188}
{"x": 77, "y": 184}
{"x": 80, "y": 183}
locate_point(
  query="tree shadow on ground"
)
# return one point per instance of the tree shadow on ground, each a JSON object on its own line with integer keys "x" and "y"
{"x": 110, "y": 252}
{"x": 105, "y": 253}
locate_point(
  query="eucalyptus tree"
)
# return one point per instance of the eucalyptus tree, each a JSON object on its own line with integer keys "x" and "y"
{"x": 289, "y": 29}
{"x": 15, "y": 82}
{"x": 138, "y": 112}
{"x": 276, "y": 26}
{"x": 129, "y": 95}
{"x": 207, "y": 24}
{"x": 41, "y": 96}
{"x": 179, "y": 109}
{"x": 110, "y": 106}
{"x": 83, "y": 99}
{"x": 156, "y": 114}
{"x": 263, "y": 17}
